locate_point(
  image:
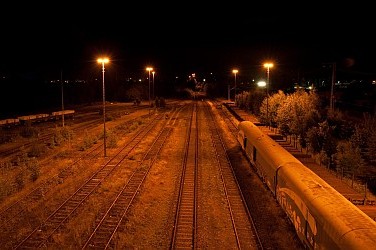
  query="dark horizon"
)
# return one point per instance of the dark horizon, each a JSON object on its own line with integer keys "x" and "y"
{"x": 40, "y": 42}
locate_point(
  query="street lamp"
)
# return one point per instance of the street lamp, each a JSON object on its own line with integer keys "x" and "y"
{"x": 103, "y": 61}
{"x": 332, "y": 87}
{"x": 261, "y": 84}
{"x": 62, "y": 97}
{"x": 153, "y": 84}
{"x": 228, "y": 92}
{"x": 149, "y": 69}
{"x": 267, "y": 66}
{"x": 235, "y": 71}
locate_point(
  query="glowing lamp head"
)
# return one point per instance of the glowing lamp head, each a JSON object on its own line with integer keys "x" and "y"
{"x": 268, "y": 65}
{"x": 103, "y": 60}
{"x": 261, "y": 84}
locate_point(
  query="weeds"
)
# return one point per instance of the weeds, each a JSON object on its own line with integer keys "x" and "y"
{"x": 88, "y": 141}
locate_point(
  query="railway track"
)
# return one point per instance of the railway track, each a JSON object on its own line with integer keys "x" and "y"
{"x": 256, "y": 207}
{"x": 185, "y": 223}
{"x": 209, "y": 211}
{"x": 85, "y": 123}
{"x": 40, "y": 236}
{"x": 103, "y": 233}
{"x": 229, "y": 120}
{"x": 243, "y": 226}
{"x": 15, "y": 209}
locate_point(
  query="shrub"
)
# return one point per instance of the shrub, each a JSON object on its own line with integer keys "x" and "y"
{"x": 36, "y": 150}
{"x": 112, "y": 139}
{"x": 33, "y": 167}
{"x": 5, "y": 188}
{"x": 88, "y": 141}
{"x": 29, "y": 132}
{"x": 19, "y": 181}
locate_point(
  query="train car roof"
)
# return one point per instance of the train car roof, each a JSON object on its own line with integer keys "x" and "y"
{"x": 276, "y": 154}
{"x": 355, "y": 229}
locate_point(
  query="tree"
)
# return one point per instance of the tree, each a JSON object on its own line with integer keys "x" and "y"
{"x": 295, "y": 113}
{"x": 348, "y": 158}
{"x": 274, "y": 102}
{"x": 320, "y": 139}
{"x": 370, "y": 136}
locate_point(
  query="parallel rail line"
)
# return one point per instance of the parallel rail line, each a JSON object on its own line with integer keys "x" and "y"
{"x": 102, "y": 235}
{"x": 242, "y": 222}
{"x": 40, "y": 236}
{"x": 16, "y": 208}
{"x": 185, "y": 223}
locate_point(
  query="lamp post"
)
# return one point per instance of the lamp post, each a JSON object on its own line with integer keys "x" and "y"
{"x": 332, "y": 87}
{"x": 153, "y": 84}
{"x": 331, "y": 98}
{"x": 62, "y": 97}
{"x": 267, "y": 66}
{"x": 262, "y": 84}
{"x": 149, "y": 69}
{"x": 103, "y": 61}
{"x": 235, "y": 71}
{"x": 228, "y": 92}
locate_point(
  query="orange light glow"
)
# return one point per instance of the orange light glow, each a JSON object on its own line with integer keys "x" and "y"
{"x": 268, "y": 65}
{"x": 103, "y": 60}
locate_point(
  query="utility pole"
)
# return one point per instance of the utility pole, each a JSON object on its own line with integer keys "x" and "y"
{"x": 228, "y": 92}
{"x": 332, "y": 87}
{"x": 331, "y": 98}
{"x": 62, "y": 96}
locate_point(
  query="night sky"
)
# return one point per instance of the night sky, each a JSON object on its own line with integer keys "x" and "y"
{"x": 39, "y": 40}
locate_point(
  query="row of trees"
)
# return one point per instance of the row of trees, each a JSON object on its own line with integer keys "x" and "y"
{"x": 344, "y": 145}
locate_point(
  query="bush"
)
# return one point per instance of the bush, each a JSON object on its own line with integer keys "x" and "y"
{"x": 36, "y": 150}
{"x": 29, "y": 132}
{"x": 61, "y": 135}
{"x": 21, "y": 158}
{"x": 5, "y": 188}
{"x": 88, "y": 141}
{"x": 112, "y": 139}
{"x": 67, "y": 133}
{"x": 33, "y": 167}
{"x": 19, "y": 181}
{"x": 7, "y": 137}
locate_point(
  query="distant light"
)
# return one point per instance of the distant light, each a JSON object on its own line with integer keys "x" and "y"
{"x": 268, "y": 65}
{"x": 235, "y": 71}
{"x": 103, "y": 60}
{"x": 261, "y": 84}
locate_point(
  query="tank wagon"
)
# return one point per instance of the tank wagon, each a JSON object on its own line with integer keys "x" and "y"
{"x": 322, "y": 217}
{"x": 57, "y": 115}
{"x": 22, "y": 120}
{"x": 33, "y": 118}
{"x": 10, "y": 122}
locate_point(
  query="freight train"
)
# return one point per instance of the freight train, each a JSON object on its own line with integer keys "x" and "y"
{"x": 56, "y": 115}
{"x": 322, "y": 217}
